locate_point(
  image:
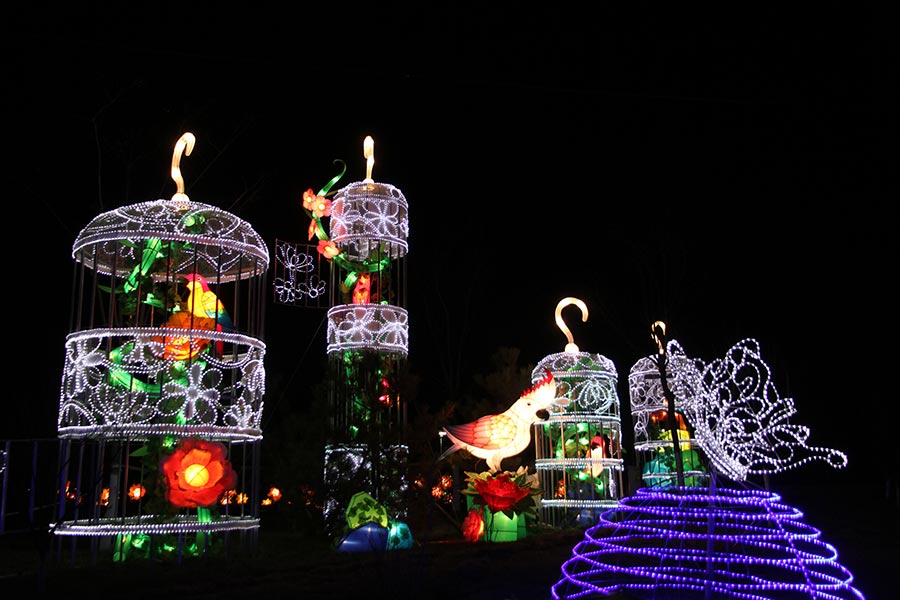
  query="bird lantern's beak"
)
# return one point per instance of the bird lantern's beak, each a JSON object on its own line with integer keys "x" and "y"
{"x": 543, "y": 414}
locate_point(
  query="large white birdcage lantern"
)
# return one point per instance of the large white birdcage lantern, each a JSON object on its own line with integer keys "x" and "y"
{"x": 164, "y": 375}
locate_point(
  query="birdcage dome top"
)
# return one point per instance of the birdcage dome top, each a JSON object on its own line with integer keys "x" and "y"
{"x": 575, "y": 364}
{"x": 369, "y": 214}
{"x": 223, "y": 245}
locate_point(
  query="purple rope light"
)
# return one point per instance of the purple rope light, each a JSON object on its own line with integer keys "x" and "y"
{"x": 696, "y": 543}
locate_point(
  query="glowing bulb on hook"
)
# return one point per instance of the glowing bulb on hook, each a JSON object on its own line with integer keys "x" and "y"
{"x": 184, "y": 145}
{"x": 658, "y": 334}
{"x": 369, "y": 154}
{"x": 571, "y": 347}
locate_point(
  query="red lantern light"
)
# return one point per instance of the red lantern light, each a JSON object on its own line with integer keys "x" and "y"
{"x": 136, "y": 492}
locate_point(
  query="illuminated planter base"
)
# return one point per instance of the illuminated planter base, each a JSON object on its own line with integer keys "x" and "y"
{"x": 695, "y": 544}
{"x": 500, "y": 528}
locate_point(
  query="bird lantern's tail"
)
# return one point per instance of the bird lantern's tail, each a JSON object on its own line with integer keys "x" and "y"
{"x": 453, "y": 447}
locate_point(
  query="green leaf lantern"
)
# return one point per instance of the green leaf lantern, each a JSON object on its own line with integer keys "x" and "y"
{"x": 363, "y": 509}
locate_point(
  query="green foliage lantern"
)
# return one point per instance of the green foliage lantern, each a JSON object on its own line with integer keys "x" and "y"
{"x": 363, "y": 509}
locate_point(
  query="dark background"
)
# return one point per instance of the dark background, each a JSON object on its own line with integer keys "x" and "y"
{"x": 731, "y": 171}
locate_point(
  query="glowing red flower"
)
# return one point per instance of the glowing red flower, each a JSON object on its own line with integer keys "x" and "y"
{"x": 501, "y": 492}
{"x": 473, "y": 525}
{"x": 197, "y": 474}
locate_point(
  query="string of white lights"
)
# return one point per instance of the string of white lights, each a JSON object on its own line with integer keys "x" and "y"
{"x": 588, "y": 380}
{"x": 378, "y": 327}
{"x": 223, "y": 247}
{"x": 364, "y": 212}
{"x": 152, "y": 525}
{"x": 740, "y": 420}
{"x": 138, "y": 391}
{"x": 299, "y": 279}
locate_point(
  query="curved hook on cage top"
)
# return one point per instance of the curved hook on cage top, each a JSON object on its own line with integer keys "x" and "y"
{"x": 658, "y": 335}
{"x": 571, "y": 347}
{"x": 369, "y": 155}
{"x": 185, "y": 145}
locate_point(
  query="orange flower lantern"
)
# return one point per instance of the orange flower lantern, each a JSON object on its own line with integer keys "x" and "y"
{"x": 136, "y": 492}
{"x": 197, "y": 474}
{"x": 328, "y": 249}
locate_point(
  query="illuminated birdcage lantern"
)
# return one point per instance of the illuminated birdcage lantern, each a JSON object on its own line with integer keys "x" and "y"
{"x": 367, "y": 342}
{"x": 368, "y": 329}
{"x": 164, "y": 377}
{"x": 653, "y": 437}
{"x": 578, "y": 449}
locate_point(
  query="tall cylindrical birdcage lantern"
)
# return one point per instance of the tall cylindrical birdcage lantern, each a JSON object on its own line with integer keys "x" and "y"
{"x": 367, "y": 347}
{"x": 163, "y": 382}
{"x": 653, "y": 438}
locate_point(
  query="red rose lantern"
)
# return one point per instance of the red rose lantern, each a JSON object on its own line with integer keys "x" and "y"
{"x": 197, "y": 474}
{"x": 500, "y": 493}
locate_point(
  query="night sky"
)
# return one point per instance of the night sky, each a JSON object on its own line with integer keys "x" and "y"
{"x": 731, "y": 172}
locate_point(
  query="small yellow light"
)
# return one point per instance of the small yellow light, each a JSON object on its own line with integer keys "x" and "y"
{"x": 369, "y": 155}
{"x": 196, "y": 475}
